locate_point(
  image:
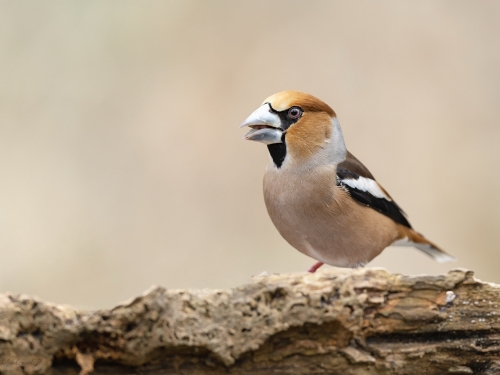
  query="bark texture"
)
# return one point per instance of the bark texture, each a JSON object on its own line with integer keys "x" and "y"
{"x": 364, "y": 321}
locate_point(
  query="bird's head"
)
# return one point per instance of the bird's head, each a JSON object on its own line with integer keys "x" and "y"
{"x": 298, "y": 126}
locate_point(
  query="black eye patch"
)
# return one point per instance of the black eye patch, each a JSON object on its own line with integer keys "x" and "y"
{"x": 286, "y": 120}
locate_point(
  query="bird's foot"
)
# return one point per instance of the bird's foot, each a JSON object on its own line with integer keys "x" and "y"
{"x": 315, "y": 267}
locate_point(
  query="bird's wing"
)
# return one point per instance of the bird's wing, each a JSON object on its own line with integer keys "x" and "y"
{"x": 356, "y": 179}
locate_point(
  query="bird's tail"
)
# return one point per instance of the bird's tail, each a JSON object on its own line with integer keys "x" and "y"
{"x": 408, "y": 237}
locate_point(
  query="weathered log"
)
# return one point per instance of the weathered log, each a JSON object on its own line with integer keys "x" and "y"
{"x": 364, "y": 321}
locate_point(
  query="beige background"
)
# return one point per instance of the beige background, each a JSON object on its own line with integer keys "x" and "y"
{"x": 121, "y": 161}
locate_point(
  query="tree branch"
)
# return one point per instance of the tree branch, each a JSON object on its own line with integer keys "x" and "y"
{"x": 364, "y": 321}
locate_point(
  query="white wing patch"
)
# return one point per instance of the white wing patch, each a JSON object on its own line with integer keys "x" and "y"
{"x": 367, "y": 185}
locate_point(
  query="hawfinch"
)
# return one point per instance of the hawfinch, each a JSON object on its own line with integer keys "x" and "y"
{"x": 322, "y": 199}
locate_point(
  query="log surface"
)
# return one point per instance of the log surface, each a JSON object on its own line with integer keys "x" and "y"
{"x": 364, "y": 321}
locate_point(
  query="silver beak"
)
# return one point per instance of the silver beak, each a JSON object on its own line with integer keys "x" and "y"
{"x": 265, "y": 126}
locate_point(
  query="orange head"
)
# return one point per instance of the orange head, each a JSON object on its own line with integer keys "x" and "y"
{"x": 298, "y": 126}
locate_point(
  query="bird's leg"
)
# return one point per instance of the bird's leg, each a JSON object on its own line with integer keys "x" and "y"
{"x": 315, "y": 267}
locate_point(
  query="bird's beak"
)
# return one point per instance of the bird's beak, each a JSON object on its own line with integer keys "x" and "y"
{"x": 265, "y": 126}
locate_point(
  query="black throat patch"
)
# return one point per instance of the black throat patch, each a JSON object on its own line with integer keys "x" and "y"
{"x": 278, "y": 152}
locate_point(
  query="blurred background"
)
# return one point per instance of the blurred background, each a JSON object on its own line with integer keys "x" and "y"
{"x": 121, "y": 161}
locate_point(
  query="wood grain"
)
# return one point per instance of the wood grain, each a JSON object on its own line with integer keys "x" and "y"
{"x": 364, "y": 321}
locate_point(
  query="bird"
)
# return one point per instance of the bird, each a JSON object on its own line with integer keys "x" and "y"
{"x": 322, "y": 200}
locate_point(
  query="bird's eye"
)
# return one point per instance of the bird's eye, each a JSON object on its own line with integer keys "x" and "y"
{"x": 294, "y": 113}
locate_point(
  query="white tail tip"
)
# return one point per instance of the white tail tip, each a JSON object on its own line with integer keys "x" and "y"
{"x": 436, "y": 254}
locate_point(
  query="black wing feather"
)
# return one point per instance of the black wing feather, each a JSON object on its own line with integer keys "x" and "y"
{"x": 382, "y": 205}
